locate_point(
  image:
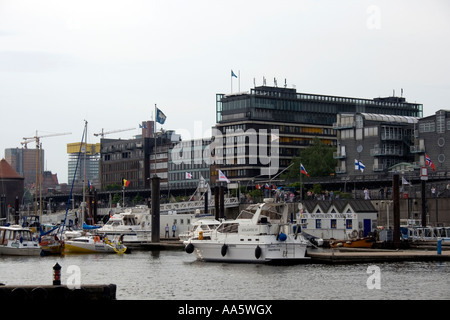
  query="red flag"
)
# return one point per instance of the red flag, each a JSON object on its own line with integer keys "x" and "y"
{"x": 429, "y": 162}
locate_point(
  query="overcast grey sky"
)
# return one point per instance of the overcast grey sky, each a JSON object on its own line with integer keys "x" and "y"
{"x": 110, "y": 62}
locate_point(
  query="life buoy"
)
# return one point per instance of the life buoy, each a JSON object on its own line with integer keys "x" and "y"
{"x": 189, "y": 248}
{"x": 224, "y": 249}
{"x": 257, "y": 252}
{"x": 354, "y": 233}
{"x": 96, "y": 239}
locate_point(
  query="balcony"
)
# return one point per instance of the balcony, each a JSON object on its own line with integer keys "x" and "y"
{"x": 377, "y": 152}
{"x": 338, "y": 155}
{"x": 340, "y": 170}
{"x": 343, "y": 125}
{"x": 417, "y": 149}
{"x": 379, "y": 167}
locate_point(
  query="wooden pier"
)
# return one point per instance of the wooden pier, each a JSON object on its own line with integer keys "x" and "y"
{"x": 359, "y": 255}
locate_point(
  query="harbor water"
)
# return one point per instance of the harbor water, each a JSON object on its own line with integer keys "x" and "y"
{"x": 176, "y": 275}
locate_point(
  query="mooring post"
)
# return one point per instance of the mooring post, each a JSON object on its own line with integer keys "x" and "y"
{"x": 155, "y": 208}
{"x": 396, "y": 200}
{"x": 57, "y": 274}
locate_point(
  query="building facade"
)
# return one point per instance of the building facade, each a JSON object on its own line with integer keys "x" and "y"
{"x": 376, "y": 141}
{"x": 189, "y": 161}
{"x": 87, "y": 159}
{"x": 258, "y": 132}
{"x": 432, "y": 138}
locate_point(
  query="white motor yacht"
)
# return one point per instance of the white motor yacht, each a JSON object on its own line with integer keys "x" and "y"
{"x": 260, "y": 234}
{"x": 18, "y": 241}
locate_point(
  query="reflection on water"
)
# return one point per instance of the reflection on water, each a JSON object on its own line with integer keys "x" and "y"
{"x": 145, "y": 275}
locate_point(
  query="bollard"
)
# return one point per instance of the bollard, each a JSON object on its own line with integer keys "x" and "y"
{"x": 439, "y": 245}
{"x": 57, "y": 275}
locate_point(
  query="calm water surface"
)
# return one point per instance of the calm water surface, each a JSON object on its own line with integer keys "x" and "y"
{"x": 176, "y": 275}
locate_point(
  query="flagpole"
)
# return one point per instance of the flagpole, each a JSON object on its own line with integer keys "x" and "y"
{"x": 301, "y": 184}
{"x": 154, "y": 133}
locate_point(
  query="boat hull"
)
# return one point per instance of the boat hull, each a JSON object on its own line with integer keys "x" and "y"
{"x": 250, "y": 252}
{"x": 10, "y": 251}
{"x": 74, "y": 247}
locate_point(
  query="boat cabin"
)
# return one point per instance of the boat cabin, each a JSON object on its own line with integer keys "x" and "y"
{"x": 15, "y": 233}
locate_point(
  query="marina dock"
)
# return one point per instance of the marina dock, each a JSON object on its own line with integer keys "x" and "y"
{"x": 360, "y": 255}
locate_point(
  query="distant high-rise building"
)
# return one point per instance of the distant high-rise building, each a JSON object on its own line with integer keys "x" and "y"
{"x": 25, "y": 162}
{"x": 88, "y": 167}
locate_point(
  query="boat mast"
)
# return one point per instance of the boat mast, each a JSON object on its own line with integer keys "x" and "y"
{"x": 84, "y": 150}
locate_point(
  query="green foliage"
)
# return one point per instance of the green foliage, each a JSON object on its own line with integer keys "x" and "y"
{"x": 317, "y": 160}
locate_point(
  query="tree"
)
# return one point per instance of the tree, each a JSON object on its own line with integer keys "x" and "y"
{"x": 317, "y": 160}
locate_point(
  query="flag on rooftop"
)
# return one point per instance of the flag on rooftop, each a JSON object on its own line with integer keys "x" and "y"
{"x": 160, "y": 116}
{"x": 233, "y": 74}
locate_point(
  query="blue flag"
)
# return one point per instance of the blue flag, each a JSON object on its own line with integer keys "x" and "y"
{"x": 232, "y": 74}
{"x": 160, "y": 116}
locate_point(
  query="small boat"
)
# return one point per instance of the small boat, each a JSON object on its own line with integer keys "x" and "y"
{"x": 49, "y": 240}
{"x": 93, "y": 244}
{"x": 203, "y": 227}
{"x": 134, "y": 227}
{"x": 260, "y": 234}
{"x": 366, "y": 242}
{"x": 18, "y": 241}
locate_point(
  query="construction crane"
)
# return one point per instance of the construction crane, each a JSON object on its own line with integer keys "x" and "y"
{"x": 37, "y": 139}
{"x": 103, "y": 133}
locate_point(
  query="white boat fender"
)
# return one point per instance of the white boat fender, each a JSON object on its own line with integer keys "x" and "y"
{"x": 257, "y": 252}
{"x": 224, "y": 249}
{"x": 282, "y": 236}
{"x": 189, "y": 248}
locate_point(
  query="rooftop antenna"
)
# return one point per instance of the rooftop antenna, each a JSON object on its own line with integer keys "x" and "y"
{"x": 264, "y": 81}
{"x": 275, "y": 82}
{"x": 285, "y": 83}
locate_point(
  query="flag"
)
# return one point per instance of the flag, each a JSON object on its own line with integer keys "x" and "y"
{"x": 303, "y": 170}
{"x": 404, "y": 181}
{"x": 429, "y": 162}
{"x": 232, "y": 74}
{"x": 126, "y": 183}
{"x": 222, "y": 177}
{"x": 90, "y": 186}
{"x": 160, "y": 116}
{"x": 258, "y": 186}
{"x": 359, "y": 165}
{"x": 188, "y": 175}
{"x": 267, "y": 186}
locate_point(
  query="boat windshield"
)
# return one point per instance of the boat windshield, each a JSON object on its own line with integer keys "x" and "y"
{"x": 228, "y": 227}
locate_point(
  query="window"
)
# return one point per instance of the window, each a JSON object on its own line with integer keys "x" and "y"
{"x": 318, "y": 223}
{"x": 333, "y": 223}
{"x": 349, "y": 224}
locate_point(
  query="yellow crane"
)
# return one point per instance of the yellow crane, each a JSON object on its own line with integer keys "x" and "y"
{"x": 37, "y": 139}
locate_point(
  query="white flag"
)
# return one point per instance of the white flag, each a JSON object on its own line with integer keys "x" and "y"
{"x": 222, "y": 177}
{"x": 404, "y": 181}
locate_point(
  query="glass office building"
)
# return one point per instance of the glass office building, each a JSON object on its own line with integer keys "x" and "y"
{"x": 294, "y": 118}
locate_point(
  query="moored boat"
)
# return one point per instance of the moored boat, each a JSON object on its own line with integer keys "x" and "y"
{"x": 93, "y": 244}
{"x": 18, "y": 241}
{"x": 260, "y": 234}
